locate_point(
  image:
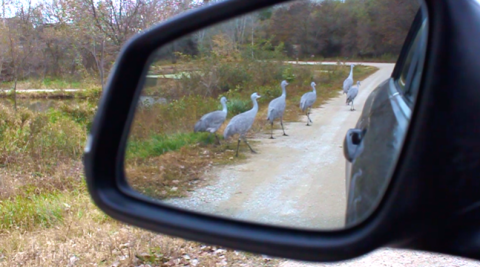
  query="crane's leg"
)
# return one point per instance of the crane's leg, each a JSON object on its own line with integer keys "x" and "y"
{"x": 281, "y": 123}
{"x": 353, "y": 108}
{"x": 308, "y": 119}
{"x": 238, "y": 144}
{"x": 271, "y": 130}
{"x": 251, "y": 149}
{"x": 308, "y": 116}
{"x": 218, "y": 139}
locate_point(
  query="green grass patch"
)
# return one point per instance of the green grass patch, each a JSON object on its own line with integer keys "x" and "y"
{"x": 32, "y": 210}
{"x": 60, "y": 83}
{"x": 160, "y": 144}
{"x": 44, "y": 210}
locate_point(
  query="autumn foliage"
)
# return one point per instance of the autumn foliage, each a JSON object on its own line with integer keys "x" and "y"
{"x": 81, "y": 38}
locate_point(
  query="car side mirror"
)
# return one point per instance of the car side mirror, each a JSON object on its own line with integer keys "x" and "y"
{"x": 125, "y": 156}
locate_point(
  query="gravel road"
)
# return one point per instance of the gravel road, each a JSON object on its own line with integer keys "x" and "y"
{"x": 388, "y": 257}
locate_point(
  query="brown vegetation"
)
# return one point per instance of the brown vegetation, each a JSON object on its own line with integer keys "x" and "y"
{"x": 47, "y": 217}
{"x": 79, "y": 39}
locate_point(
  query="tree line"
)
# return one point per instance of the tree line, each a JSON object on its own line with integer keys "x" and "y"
{"x": 78, "y": 38}
{"x": 81, "y": 38}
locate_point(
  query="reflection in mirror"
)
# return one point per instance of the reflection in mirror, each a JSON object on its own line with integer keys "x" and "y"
{"x": 248, "y": 119}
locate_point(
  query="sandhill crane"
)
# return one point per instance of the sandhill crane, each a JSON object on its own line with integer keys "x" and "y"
{"x": 210, "y": 122}
{"x": 352, "y": 93}
{"x": 307, "y": 101}
{"x": 349, "y": 81}
{"x": 276, "y": 108}
{"x": 241, "y": 123}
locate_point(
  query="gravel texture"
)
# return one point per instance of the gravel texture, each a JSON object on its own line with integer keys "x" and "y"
{"x": 388, "y": 257}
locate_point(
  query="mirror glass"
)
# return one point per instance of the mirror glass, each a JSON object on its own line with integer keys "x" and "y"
{"x": 287, "y": 116}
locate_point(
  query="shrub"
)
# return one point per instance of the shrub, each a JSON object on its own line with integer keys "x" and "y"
{"x": 237, "y": 106}
{"x": 269, "y": 92}
{"x": 81, "y": 113}
{"x": 38, "y": 141}
{"x": 232, "y": 75}
{"x": 267, "y": 72}
{"x": 288, "y": 74}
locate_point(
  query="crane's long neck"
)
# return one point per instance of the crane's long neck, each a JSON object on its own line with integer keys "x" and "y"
{"x": 224, "y": 105}
{"x": 284, "y": 91}
{"x": 351, "y": 72}
{"x": 255, "y": 105}
{"x": 314, "y": 90}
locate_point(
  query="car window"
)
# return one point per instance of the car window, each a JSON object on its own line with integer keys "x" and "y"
{"x": 409, "y": 79}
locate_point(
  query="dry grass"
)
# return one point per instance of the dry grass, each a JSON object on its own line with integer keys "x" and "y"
{"x": 89, "y": 94}
{"x": 23, "y": 183}
{"x": 47, "y": 217}
{"x": 175, "y": 173}
{"x": 51, "y": 221}
{"x": 85, "y": 236}
{"x": 52, "y": 83}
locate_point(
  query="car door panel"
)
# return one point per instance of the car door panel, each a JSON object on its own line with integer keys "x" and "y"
{"x": 384, "y": 122}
